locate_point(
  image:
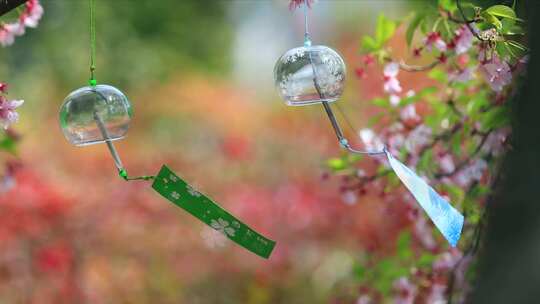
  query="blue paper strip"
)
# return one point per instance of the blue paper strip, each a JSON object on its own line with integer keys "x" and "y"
{"x": 445, "y": 217}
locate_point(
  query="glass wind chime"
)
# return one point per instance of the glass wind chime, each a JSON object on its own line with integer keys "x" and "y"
{"x": 315, "y": 74}
{"x": 100, "y": 113}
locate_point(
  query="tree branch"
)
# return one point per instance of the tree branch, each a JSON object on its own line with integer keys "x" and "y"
{"x": 467, "y": 160}
{"x": 413, "y": 68}
{"x": 468, "y": 22}
{"x": 7, "y": 5}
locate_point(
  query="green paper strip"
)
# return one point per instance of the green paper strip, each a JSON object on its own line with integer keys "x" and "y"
{"x": 173, "y": 188}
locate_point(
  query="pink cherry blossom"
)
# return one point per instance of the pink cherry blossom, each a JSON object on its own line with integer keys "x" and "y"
{"x": 463, "y": 40}
{"x": 363, "y": 299}
{"x": 423, "y": 231}
{"x": 394, "y": 100}
{"x": 6, "y": 36}
{"x": 349, "y": 197}
{"x": 16, "y": 28}
{"x": 434, "y": 39}
{"x": 391, "y": 83}
{"x": 9, "y": 31}
{"x": 410, "y": 93}
{"x": 473, "y": 172}
{"x": 495, "y": 142}
{"x": 3, "y": 87}
{"x": 408, "y": 114}
{"x": 465, "y": 75}
{"x": 293, "y": 4}
{"x": 447, "y": 260}
{"x": 405, "y": 291}
{"x": 446, "y": 163}
{"x": 360, "y": 72}
{"x": 496, "y": 72}
{"x": 437, "y": 294}
{"x": 32, "y": 14}
{"x": 395, "y": 142}
{"x": 8, "y": 115}
{"x": 418, "y": 138}
{"x": 368, "y": 59}
{"x": 521, "y": 64}
{"x": 370, "y": 140}
{"x": 461, "y": 271}
{"x": 29, "y": 18}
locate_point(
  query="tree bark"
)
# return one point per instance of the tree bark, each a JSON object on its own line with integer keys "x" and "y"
{"x": 509, "y": 265}
{"x": 7, "y": 5}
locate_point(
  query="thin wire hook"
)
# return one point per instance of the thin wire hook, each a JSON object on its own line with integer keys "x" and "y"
{"x": 335, "y": 124}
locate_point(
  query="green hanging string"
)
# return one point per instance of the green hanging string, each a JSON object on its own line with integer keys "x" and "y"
{"x": 122, "y": 172}
{"x": 92, "y": 80}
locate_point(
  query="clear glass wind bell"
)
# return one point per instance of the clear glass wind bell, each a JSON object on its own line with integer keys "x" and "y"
{"x": 310, "y": 74}
{"x": 95, "y": 114}
{"x": 297, "y": 69}
{"x": 316, "y": 74}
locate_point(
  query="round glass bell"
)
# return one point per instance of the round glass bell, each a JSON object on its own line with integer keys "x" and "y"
{"x": 92, "y": 114}
{"x": 310, "y": 74}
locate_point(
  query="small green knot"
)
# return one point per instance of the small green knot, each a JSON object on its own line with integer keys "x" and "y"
{"x": 92, "y": 82}
{"x": 123, "y": 174}
{"x": 307, "y": 41}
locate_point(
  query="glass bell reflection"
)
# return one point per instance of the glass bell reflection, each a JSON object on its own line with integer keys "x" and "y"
{"x": 310, "y": 74}
{"x": 92, "y": 114}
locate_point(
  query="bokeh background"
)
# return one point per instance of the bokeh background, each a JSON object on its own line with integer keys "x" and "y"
{"x": 199, "y": 75}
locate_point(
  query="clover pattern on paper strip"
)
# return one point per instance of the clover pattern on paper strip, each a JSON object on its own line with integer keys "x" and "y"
{"x": 175, "y": 195}
{"x": 192, "y": 191}
{"x": 222, "y": 226}
{"x": 173, "y": 178}
{"x": 213, "y": 238}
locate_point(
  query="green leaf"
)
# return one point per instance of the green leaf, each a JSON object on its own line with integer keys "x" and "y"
{"x": 425, "y": 162}
{"x": 495, "y": 118}
{"x": 359, "y": 271}
{"x": 512, "y": 48}
{"x": 439, "y": 75}
{"x": 456, "y": 193}
{"x": 427, "y": 91}
{"x": 426, "y": 260}
{"x": 415, "y": 22}
{"x": 507, "y": 49}
{"x": 369, "y": 44}
{"x": 491, "y": 19}
{"x": 469, "y": 10}
{"x": 448, "y": 5}
{"x": 404, "y": 251}
{"x": 502, "y": 11}
{"x": 373, "y": 120}
{"x": 9, "y": 145}
{"x": 381, "y": 102}
{"x": 336, "y": 164}
{"x": 507, "y": 24}
{"x": 385, "y": 273}
{"x": 475, "y": 104}
{"x": 518, "y": 45}
{"x": 385, "y": 30}
{"x": 514, "y": 29}
{"x": 455, "y": 143}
